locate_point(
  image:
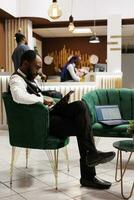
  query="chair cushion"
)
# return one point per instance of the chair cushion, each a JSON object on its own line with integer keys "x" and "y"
{"x": 110, "y": 131}
{"x": 53, "y": 142}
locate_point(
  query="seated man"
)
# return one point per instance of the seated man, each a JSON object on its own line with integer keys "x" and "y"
{"x": 71, "y": 119}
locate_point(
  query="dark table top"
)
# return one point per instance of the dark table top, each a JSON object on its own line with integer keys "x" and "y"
{"x": 124, "y": 145}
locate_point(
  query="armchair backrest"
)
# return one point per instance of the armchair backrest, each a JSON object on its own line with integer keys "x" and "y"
{"x": 123, "y": 97}
{"x": 28, "y": 124}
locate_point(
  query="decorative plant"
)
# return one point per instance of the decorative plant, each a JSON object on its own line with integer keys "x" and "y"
{"x": 1, "y": 68}
{"x": 130, "y": 128}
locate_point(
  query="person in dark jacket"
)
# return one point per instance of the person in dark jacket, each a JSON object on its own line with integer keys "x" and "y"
{"x": 19, "y": 50}
{"x": 69, "y": 72}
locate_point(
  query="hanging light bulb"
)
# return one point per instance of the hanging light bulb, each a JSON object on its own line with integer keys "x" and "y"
{"x": 71, "y": 26}
{"x": 54, "y": 11}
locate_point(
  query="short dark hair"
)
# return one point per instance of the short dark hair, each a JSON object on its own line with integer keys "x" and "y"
{"x": 29, "y": 56}
{"x": 19, "y": 37}
{"x": 73, "y": 59}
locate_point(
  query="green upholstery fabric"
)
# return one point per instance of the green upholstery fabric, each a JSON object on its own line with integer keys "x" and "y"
{"x": 123, "y": 97}
{"x": 29, "y": 125}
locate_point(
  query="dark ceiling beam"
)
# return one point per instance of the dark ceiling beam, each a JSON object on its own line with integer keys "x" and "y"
{"x": 5, "y": 15}
{"x": 77, "y": 23}
{"x": 65, "y": 24}
{"x": 127, "y": 21}
{"x": 37, "y": 36}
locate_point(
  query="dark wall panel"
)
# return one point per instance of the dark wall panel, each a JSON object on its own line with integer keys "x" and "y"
{"x": 75, "y": 44}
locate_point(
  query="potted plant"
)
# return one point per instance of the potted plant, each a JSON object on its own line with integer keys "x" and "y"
{"x": 1, "y": 69}
{"x": 130, "y": 128}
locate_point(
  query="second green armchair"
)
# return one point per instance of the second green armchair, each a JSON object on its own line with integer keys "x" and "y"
{"x": 124, "y": 98}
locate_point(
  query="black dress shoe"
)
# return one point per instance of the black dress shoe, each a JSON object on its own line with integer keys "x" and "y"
{"x": 99, "y": 158}
{"x": 95, "y": 183}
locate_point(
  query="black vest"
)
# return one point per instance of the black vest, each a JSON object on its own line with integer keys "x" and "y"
{"x": 32, "y": 88}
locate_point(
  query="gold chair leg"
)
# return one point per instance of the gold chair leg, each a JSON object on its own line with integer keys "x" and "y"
{"x": 12, "y": 164}
{"x": 26, "y": 157}
{"x": 56, "y": 152}
{"x": 65, "y": 151}
{"x": 53, "y": 159}
{"x": 116, "y": 171}
{"x": 122, "y": 172}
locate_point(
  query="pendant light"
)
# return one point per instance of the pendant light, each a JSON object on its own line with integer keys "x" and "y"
{"x": 54, "y": 11}
{"x": 94, "y": 39}
{"x": 71, "y": 26}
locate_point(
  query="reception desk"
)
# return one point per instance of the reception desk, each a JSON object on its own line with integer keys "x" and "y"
{"x": 105, "y": 79}
{"x": 108, "y": 80}
{"x": 64, "y": 87}
{"x": 99, "y": 80}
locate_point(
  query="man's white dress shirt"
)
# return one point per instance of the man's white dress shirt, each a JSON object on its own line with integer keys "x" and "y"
{"x": 19, "y": 92}
{"x": 71, "y": 69}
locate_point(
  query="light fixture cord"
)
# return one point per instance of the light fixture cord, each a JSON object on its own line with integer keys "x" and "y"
{"x": 19, "y": 22}
{"x": 71, "y": 6}
{"x": 94, "y": 26}
{"x": 94, "y": 17}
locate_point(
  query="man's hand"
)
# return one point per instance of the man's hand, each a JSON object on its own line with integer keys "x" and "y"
{"x": 48, "y": 101}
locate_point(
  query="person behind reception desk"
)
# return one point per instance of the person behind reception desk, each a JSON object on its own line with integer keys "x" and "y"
{"x": 70, "y": 119}
{"x": 69, "y": 71}
{"x": 20, "y": 49}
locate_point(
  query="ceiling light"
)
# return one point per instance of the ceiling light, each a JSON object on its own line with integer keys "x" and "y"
{"x": 54, "y": 11}
{"x": 94, "y": 39}
{"x": 71, "y": 26}
{"x": 82, "y": 30}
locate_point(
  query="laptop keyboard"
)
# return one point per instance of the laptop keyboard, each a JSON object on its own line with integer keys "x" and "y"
{"x": 114, "y": 122}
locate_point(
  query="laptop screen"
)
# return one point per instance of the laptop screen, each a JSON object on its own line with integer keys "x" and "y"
{"x": 107, "y": 112}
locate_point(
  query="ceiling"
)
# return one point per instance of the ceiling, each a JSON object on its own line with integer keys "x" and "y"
{"x": 64, "y": 32}
{"x": 127, "y": 33}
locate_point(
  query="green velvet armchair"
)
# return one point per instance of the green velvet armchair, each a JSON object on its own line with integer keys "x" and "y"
{"x": 29, "y": 128}
{"x": 123, "y": 97}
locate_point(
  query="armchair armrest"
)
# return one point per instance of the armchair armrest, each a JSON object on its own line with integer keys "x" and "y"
{"x": 28, "y": 124}
{"x": 91, "y": 107}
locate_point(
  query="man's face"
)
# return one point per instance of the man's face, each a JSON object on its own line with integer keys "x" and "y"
{"x": 33, "y": 68}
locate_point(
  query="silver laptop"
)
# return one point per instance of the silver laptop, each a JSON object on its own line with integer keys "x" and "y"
{"x": 109, "y": 115}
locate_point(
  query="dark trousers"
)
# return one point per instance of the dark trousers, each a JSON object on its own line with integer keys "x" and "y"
{"x": 73, "y": 120}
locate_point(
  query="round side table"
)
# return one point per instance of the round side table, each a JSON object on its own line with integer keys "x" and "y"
{"x": 127, "y": 146}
